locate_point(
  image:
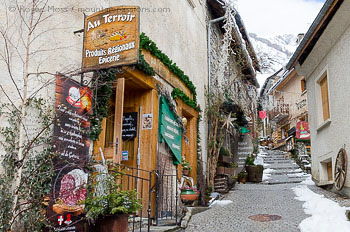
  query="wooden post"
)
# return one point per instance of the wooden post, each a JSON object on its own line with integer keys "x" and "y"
{"x": 118, "y": 123}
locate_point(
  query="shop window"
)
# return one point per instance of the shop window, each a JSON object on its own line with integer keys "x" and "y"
{"x": 284, "y": 131}
{"x": 329, "y": 171}
{"x": 303, "y": 85}
{"x": 326, "y": 172}
{"x": 324, "y": 96}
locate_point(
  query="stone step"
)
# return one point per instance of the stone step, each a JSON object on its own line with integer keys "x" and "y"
{"x": 283, "y": 179}
{"x": 275, "y": 158}
{"x": 278, "y": 162}
{"x": 284, "y": 172}
{"x": 267, "y": 159}
{"x": 280, "y": 167}
{"x": 283, "y": 182}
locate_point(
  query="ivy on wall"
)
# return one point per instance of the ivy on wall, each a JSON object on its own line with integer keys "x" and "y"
{"x": 102, "y": 89}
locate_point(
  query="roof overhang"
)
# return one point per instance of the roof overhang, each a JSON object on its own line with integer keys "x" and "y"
{"x": 250, "y": 60}
{"x": 314, "y": 33}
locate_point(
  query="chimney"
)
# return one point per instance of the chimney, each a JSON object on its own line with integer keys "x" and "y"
{"x": 300, "y": 37}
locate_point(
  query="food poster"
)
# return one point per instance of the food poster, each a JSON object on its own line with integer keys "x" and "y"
{"x": 147, "y": 121}
{"x": 71, "y": 145}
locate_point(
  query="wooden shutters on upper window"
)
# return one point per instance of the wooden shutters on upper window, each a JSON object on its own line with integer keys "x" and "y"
{"x": 303, "y": 85}
{"x": 325, "y": 100}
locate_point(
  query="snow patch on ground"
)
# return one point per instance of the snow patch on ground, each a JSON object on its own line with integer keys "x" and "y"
{"x": 266, "y": 176}
{"x": 296, "y": 170}
{"x": 308, "y": 180}
{"x": 269, "y": 170}
{"x": 297, "y": 174}
{"x": 267, "y": 173}
{"x": 326, "y": 215}
{"x": 221, "y": 203}
{"x": 266, "y": 165}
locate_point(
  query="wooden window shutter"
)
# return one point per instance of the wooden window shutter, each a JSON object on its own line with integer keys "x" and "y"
{"x": 325, "y": 101}
{"x": 303, "y": 85}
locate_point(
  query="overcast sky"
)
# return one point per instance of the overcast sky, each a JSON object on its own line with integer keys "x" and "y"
{"x": 277, "y": 17}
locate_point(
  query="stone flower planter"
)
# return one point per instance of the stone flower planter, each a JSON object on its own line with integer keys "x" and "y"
{"x": 111, "y": 223}
{"x": 255, "y": 173}
{"x": 187, "y": 196}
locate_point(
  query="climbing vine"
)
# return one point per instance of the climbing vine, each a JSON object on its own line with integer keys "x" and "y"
{"x": 37, "y": 166}
{"x": 102, "y": 89}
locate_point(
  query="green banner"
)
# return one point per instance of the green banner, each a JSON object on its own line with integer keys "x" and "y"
{"x": 170, "y": 131}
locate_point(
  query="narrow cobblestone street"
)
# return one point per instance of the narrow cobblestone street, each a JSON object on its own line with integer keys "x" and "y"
{"x": 248, "y": 200}
{"x": 272, "y": 197}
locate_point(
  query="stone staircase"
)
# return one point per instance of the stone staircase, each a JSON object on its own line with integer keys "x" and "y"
{"x": 279, "y": 168}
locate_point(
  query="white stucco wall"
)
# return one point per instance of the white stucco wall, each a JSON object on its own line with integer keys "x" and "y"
{"x": 331, "y": 54}
{"x": 178, "y": 29}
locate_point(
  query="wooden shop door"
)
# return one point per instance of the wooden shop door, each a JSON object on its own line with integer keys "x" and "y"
{"x": 110, "y": 139}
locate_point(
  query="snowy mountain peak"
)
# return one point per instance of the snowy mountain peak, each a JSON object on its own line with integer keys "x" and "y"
{"x": 275, "y": 52}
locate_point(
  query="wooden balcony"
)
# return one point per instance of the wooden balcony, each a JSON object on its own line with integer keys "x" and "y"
{"x": 279, "y": 113}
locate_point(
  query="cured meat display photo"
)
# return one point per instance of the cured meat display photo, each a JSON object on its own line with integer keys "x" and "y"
{"x": 72, "y": 192}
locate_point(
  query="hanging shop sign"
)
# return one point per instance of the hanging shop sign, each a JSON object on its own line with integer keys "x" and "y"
{"x": 244, "y": 130}
{"x": 170, "y": 130}
{"x": 302, "y": 130}
{"x": 71, "y": 145}
{"x": 111, "y": 38}
{"x": 244, "y": 148}
{"x": 129, "y": 130}
{"x": 262, "y": 114}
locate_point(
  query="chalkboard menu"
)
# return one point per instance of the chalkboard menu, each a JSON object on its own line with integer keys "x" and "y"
{"x": 129, "y": 131}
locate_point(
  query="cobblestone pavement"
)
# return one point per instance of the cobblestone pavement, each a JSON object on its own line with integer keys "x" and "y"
{"x": 248, "y": 200}
{"x": 274, "y": 197}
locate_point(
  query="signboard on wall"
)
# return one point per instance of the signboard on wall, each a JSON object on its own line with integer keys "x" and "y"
{"x": 170, "y": 130}
{"x": 129, "y": 130}
{"x": 302, "y": 130}
{"x": 71, "y": 145}
{"x": 111, "y": 38}
{"x": 244, "y": 148}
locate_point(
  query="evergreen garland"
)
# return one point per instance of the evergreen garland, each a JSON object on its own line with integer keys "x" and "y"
{"x": 102, "y": 86}
{"x": 147, "y": 44}
{"x": 144, "y": 66}
{"x": 177, "y": 93}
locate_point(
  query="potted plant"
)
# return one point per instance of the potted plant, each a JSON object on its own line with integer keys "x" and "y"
{"x": 255, "y": 172}
{"x": 110, "y": 207}
{"x": 220, "y": 169}
{"x": 186, "y": 167}
{"x": 242, "y": 177}
{"x": 188, "y": 194}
